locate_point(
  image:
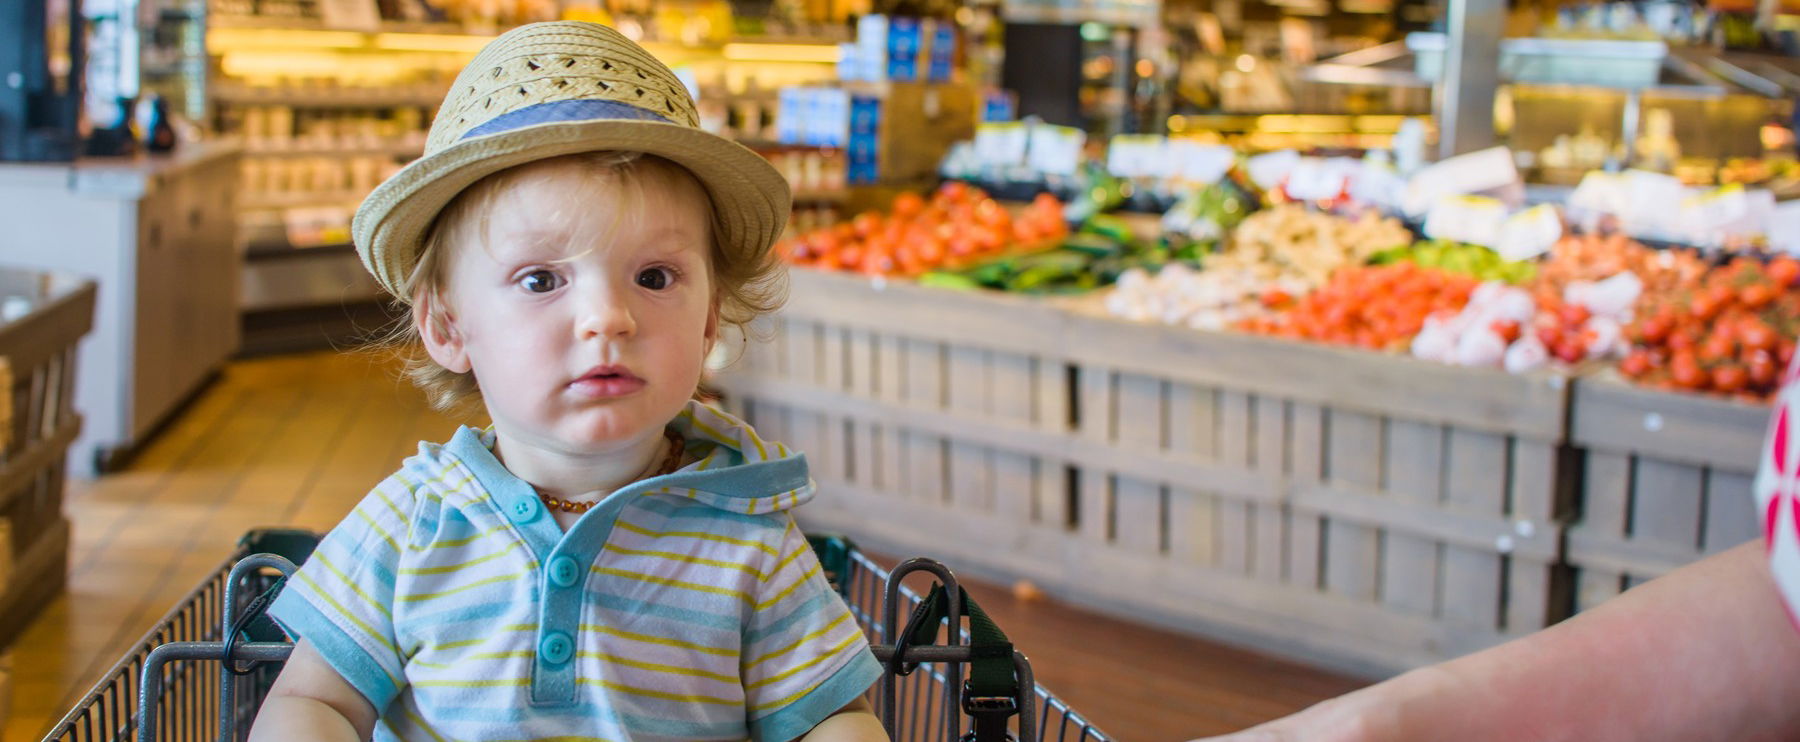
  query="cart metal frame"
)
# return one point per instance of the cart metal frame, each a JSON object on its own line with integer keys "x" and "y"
{"x": 184, "y": 682}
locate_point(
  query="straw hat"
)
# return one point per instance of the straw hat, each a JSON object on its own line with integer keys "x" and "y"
{"x": 559, "y": 88}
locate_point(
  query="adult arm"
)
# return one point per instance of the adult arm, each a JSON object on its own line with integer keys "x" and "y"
{"x": 1704, "y": 653}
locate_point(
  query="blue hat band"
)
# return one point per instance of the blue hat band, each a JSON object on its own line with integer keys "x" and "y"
{"x": 564, "y": 110}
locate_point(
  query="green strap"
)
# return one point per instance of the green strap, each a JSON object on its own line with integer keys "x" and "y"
{"x": 991, "y": 664}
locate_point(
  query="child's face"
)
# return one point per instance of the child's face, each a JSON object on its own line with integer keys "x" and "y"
{"x": 586, "y": 321}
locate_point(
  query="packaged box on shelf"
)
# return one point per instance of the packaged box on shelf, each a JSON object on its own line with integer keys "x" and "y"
{"x": 941, "y": 57}
{"x": 905, "y": 39}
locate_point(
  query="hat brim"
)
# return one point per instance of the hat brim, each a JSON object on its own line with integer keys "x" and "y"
{"x": 750, "y": 198}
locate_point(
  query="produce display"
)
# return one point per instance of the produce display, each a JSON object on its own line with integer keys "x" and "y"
{"x": 1291, "y": 242}
{"x": 958, "y": 226}
{"x": 1470, "y": 260}
{"x": 1668, "y": 317}
{"x": 1212, "y": 299}
{"x": 1731, "y": 332}
{"x": 1105, "y": 248}
{"x": 1376, "y": 307}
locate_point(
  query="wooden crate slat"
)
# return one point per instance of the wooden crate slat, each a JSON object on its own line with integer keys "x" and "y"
{"x": 1094, "y": 413}
{"x": 1138, "y": 506}
{"x": 925, "y": 466}
{"x": 1666, "y": 502}
{"x": 970, "y": 466}
{"x": 1015, "y": 484}
{"x": 1237, "y": 431}
{"x": 1616, "y": 417}
{"x": 1268, "y": 555}
{"x": 1415, "y": 474}
{"x": 1306, "y": 435}
{"x": 982, "y": 319}
{"x": 1476, "y": 481}
{"x": 1606, "y": 499}
{"x": 1343, "y": 378}
{"x": 804, "y": 362}
{"x": 1533, "y": 587}
{"x": 1193, "y": 513}
{"x": 1731, "y": 517}
{"x": 1353, "y": 457}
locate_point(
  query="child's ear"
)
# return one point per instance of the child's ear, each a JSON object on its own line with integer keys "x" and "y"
{"x": 437, "y": 329}
{"x": 712, "y": 325}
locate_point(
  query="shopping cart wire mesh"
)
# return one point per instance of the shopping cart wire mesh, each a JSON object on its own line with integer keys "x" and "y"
{"x": 183, "y": 682}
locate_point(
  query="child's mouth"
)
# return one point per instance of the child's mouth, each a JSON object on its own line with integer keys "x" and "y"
{"x": 602, "y": 382}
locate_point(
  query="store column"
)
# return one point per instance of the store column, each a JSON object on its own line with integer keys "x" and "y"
{"x": 1465, "y": 93}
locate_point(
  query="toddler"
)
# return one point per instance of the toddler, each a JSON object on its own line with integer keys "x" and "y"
{"x": 611, "y": 560}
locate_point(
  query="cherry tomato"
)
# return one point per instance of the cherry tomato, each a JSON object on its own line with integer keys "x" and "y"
{"x": 1686, "y": 372}
{"x": 1636, "y": 364}
{"x": 1784, "y": 271}
{"x": 1755, "y": 334}
{"x": 1717, "y": 347}
{"x": 1729, "y": 378}
{"x": 1756, "y": 295}
{"x": 1762, "y": 368}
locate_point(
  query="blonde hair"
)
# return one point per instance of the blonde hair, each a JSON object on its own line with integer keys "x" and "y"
{"x": 742, "y": 290}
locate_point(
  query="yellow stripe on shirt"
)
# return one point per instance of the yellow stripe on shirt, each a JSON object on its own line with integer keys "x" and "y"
{"x": 804, "y": 666}
{"x": 463, "y": 588}
{"x": 702, "y": 535}
{"x": 667, "y": 582}
{"x": 664, "y": 695}
{"x": 687, "y": 559}
{"x": 665, "y": 641}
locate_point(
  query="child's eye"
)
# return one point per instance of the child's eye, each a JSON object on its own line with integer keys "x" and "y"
{"x": 540, "y": 281}
{"x": 655, "y": 279}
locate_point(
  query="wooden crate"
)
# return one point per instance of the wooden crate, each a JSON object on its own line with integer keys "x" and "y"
{"x": 916, "y": 406}
{"x": 1362, "y": 510}
{"x": 40, "y": 352}
{"x": 1349, "y": 505}
{"x": 1665, "y": 480}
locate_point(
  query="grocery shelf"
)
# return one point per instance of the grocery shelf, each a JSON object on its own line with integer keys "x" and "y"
{"x": 327, "y": 98}
{"x": 306, "y": 149}
{"x": 300, "y": 199}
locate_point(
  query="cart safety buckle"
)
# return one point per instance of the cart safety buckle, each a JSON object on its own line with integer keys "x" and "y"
{"x": 990, "y": 714}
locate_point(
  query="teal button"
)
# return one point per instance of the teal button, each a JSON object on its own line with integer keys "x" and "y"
{"x": 523, "y": 510}
{"x": 556, "y": 648}
{"x": 564, "y": 571}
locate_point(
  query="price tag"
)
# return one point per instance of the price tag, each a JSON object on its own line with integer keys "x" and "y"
{"x": 1055, "y": 150}
{"x": 1001, "y": 144}
{"x": 1268, "y": 170}
{"x": 1530, "y": 233}
{"x": 1202, "y": 164}
{"x": 1475, "y": 172}
{"x": 1784, "y": 227}
{"x": 1315, "y": 179}
{"x": 1599, "y": 192}
{"x": 1472, "y": 219}
{"x": 1137, "y": 156}
{"x": 1377, "y": 183}
{"x": 1714, "y": 217}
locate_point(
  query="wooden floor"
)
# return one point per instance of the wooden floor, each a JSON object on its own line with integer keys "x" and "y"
{"x": 297, "y": 440}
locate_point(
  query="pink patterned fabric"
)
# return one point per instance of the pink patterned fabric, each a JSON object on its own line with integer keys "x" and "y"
{"x": 1778, "y": 491}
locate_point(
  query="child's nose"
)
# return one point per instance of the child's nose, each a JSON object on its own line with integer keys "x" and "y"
{"x": 606, "y": 315}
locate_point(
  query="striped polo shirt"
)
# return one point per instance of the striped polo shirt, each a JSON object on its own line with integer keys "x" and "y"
{"x": 682, "y": 607}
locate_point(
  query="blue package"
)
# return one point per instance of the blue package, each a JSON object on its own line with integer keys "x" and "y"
{"x": 905, "y": 37}
{"x": 943, "y": 52}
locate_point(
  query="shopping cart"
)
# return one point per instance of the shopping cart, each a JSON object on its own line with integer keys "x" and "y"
{"x": 203, "y": 670}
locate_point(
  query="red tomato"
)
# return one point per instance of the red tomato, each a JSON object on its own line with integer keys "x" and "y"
{"x": 1575, "y": 315}
{"x": 1637, "y": 364}
{"x": 1718, "y": 346}
{"x": 1755, "y": 334}
{"x": 1729, "y": 378}
{"x": 1762, "y": 368}
{"x": 1686, "y": 372}
{"x": 1784, "y": 271}
{"x": 1756, "y": 295}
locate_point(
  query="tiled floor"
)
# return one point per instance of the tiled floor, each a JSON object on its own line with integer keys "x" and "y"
{"x": 296, "y": 440}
